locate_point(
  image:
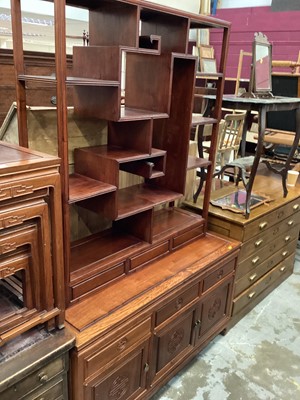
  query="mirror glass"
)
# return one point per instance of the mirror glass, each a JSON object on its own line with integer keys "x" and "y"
{"x": 262, "y": 67}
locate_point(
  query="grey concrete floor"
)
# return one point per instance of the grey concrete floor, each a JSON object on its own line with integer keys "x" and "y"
{"x": 258, "y": 359}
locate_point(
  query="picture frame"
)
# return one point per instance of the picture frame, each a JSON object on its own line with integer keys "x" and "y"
{"x": 208, "y": 65}
{"x": 206, "y": 51}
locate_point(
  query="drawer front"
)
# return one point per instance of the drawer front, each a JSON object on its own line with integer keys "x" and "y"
{"x": 187, "y": 236}
{"x": 267, "y": 251}
{"x": 283, "y": 269}
{"x": 259, "y": 241}
{"x": 176, "y": 304}
{"x": 36, "y": 380}
{"x": 118, "y": 347}
{"x": 54, "y": 391}
{"x": 97, "y": 281}
{"x": 254, "y": 275}
{"x": 265, "y": 222}
{"x": 149, "y": 255}
{"x": 218, "y": 275}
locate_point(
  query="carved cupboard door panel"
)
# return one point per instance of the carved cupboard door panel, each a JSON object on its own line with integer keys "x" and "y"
{"x": 215, "y": 308}
{"x": 125, "y": 381}
{"x": 172, "y": 343}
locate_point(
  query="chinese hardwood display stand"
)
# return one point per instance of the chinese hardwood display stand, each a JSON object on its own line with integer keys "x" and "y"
{"x": 269, "y": 239}
{"x": 146, "y": 286}
{"x": 31, "y": 258}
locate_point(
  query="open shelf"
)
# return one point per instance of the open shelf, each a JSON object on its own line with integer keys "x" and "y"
{"x": 209, "y": 75}
{"x": 130, "y": 114}
{"x": 81, "y": 187}
{"x": 70, "y": 81}
{"x": 138, "y": 198}
{"x": 200, "y": 120}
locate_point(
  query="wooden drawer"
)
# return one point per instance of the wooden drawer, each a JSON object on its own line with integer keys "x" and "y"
{"x": 281, "y": 270}
{"x": 271, "y": 219}
{"x": 36, "y": 380}
{"x": 218, "y": 275}
{"x": 56, "y": 390}
{"x": 102, "y": 357}
{"x": 259, "y": 241}
{"x": 187, "y": 236}
{"x": 267, "y": 251}
{"x": 149, "y": 255}
{"x": 176, "y": 304}
{"x": 98, "y": 280}
{"x": 254, "y": 275}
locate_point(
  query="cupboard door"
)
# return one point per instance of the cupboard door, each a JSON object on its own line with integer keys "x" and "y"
{"x": 215, "y": 309}
{"x": 125, "y": 381}
{"x": 172, "y": 343}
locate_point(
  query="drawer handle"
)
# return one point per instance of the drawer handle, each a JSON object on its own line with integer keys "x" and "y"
{"x": 251, "y": 295}
{"x": 258, "y": 242}
{"x": 296, "y": 207}
{"x": 122, "y": 344}
{"x": 146, "y": 367}
{"x": 285, "y": 253}
{"x": 282, "y": 269}
{"x": 252, "y": 277}
{"x": 287, "y": 238}
{"x": 291, "y": 222}
{"x": 198, "y": 322}
{"x": 220, "y": 274}
{"x": 263, "y": 225}
{"x": 255, "y": 260}
{"x": 179, "y": 303}
{"x": 43, "y": 377}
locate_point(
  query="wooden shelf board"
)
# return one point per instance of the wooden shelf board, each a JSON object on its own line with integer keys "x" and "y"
{"x": 81, "y": 188}
{"x": 195, "y": 162}
{"x": 200, "y": 120}
{"x": 133, "y": 114}
{"x": 122, "y": 155}
{"x": 210, "y": 75}
{"x": 89, "y": 253}
{"x": 169, "y": 221}
{"x": 143, "y": 197}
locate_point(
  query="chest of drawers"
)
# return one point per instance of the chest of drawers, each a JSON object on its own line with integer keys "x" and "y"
{"x": 269, "y": 238}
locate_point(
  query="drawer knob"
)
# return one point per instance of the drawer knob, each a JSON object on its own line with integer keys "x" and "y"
{"x": 43, "y": 377}
{"x": 179, "y": 303}
{"x": 251, "y": 295}
{"x": 220, "y": 274}
{"x": 255, "y": 260}
{"x": 252, "y": 277}
{"x": 291, "y": 222}
{"x": 285, "y": 253}
{"x": 263, "y": 225}
{"x": 296, "y": 207}
{"x": 282, "y": 269}
{"x": 258, "y": 242}
{"x": 146, "y": 367}
{"x": 287, "y": 238}
{"x": 198, "y": 322}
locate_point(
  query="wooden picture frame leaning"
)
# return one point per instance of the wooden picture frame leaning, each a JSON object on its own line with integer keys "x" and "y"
{"x": 208, "y": 65}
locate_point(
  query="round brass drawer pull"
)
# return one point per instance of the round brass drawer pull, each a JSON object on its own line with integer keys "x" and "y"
{"x": 291, "y": 222}
{"x": 282, "y": 269}
{"x": 251, "y": 295}
{"x": 263, "y": 225}
{"x": 296, "y": 207}
{"x": 285, "y": 253}
{"x": 146, "y": 367}
{"x": 287, "y": 238}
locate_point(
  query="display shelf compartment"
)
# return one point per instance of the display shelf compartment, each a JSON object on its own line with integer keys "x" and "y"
{"x": 103, "y": 163}
{"x": 82, "y": 187}
{"x": 102, "y": 258}
{"x": 70, "y": 80}
{"x": 143, "y": 197}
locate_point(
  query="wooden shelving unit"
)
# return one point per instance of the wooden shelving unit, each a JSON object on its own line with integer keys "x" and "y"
{"x": 138, "y": 75}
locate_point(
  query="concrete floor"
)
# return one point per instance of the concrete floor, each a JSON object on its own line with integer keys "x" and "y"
{"x": 258, "y": 359}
